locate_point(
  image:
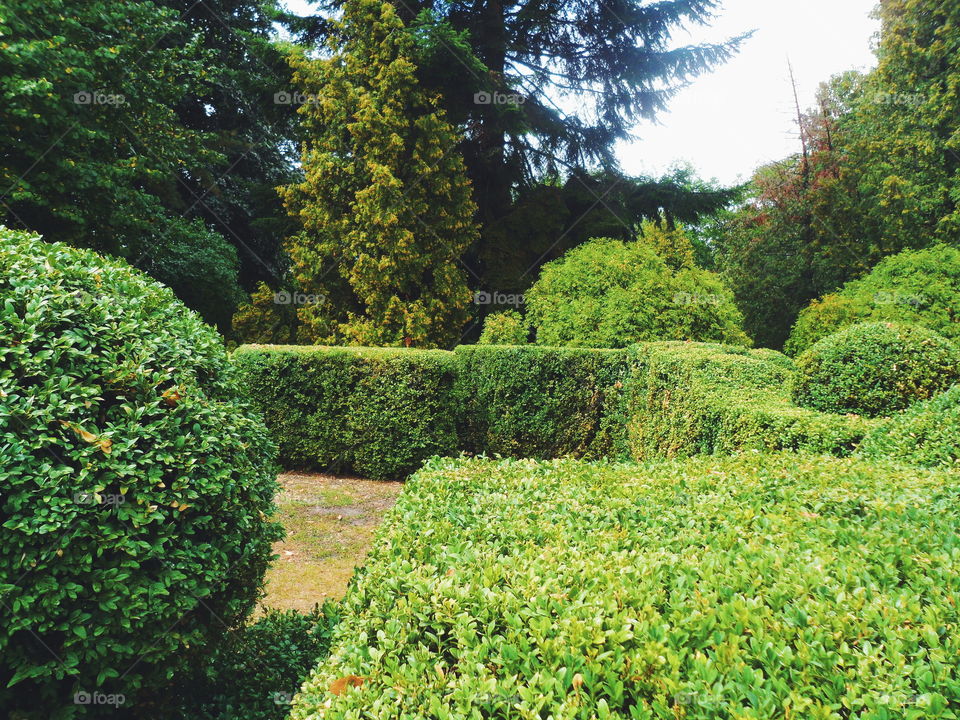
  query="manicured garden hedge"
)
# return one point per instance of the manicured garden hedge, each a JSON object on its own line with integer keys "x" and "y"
{"x": 756, "y": 586}
{"x": 523, "y": 401}
{"x": 136, "y": 484}
{"x": 927, "y": 434}
{"x": 379, "y": 412}
{"x": 692, "y": 398}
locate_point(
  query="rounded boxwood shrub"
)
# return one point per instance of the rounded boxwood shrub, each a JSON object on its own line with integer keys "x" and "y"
{"x": 927, "y": 434}
{"x": 136, "y": 484}
{"x": 875, "y": 369}
{"x": 914, "y": 287}
{"x": 610, "y": 294}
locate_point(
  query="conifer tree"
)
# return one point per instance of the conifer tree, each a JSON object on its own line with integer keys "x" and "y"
{"x": 385, "y": 206}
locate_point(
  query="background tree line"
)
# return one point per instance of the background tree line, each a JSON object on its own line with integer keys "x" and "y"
{"x": 235, "y": 151}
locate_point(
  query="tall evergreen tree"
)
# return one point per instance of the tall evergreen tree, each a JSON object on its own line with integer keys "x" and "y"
{"x": 385, "y": 206}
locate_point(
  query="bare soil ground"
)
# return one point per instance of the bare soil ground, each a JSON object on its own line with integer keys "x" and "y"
{"x": 330, "y": 523}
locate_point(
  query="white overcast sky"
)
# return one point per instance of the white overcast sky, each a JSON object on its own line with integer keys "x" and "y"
{"x": 729, "y": 122}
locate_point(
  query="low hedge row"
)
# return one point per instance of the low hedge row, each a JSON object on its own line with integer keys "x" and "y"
{"x": 381, "y": 412}
{"x": 687, "y": 399}
{"x": 539, "y": 402}
{"x": 752, "y": 586}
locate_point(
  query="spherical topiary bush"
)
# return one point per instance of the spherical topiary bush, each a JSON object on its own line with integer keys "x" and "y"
{"x": 135, "y": 484}
{"x": 927, "y": 434}
{"x": 875, "y": 369}
{"x": 607, "y": 293}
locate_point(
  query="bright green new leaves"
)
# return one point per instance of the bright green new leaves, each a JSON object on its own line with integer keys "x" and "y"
{"x": 608, "y": 293}
{"x": 753, "y": 587}
{"x": 385, "y": 206}
{"x": 136, "y": 483}
{"x": 687, "y": 399}
{"x": 926, "y": 434}
{"x": 875, "y": 369}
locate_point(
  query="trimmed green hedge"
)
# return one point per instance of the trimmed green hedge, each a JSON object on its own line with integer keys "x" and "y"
{"x": 748, "y": 587}
{"x": 526, "y": 401}
{"x": 875, "y": 369}
{"x": 379, "y": 412}
{"x": 692, "y": 398}
{"x": 136, "y": 484}
{"x": 382, "y": 412}
{"x": 927, "y": 434}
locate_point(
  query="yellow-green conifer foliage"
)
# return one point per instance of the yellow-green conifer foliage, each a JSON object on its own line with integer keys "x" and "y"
{"x": 385, "y": 205}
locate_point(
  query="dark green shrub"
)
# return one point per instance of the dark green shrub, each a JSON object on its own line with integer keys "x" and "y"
{"x": 136, "y": 484}
{"x": 256, "y": 671}
{"x": 379, "y": 412}
{"x": 927, "y": 434}
{"x": 610, "y": 294}
{"x": 690, "y": 399}
{"x": 760, "y": 586}
{"x": 528, "y": 401}
{"x": 504, "y": 328}
{"x": 875, "y": 369}
{"x": 915, "y": 287}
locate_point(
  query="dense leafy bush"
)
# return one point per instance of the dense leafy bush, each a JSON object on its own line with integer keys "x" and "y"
{"x": 690, "y": 399}
{"x": 135, "y": 482}
{"x": 609, "y": 294}
{"x": 378, "y": 412}
{"x": 540, "y": 402}
{"x": 256, "y": 671}
{"x": 504, "y": 328}
{"x": 927, "y": 434}
{"x": 875, "y": 369}
{"x": 748, "y": 587}
{"x": 916, "y": 287}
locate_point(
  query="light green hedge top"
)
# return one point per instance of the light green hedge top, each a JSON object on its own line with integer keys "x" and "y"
{"x": 760, "y": 586}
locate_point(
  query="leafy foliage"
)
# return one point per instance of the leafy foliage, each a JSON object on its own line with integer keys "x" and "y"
{"x": 875, "y": 369}
{"x": 385, "y": 206}
{"x": 378, "y": 412}
{"x": 926, "y": 434}
{"x": 525, "y": 589}
{"x": 94, "y": 149}
{"x": 608, "y": 293}
{"x": 540, "y": 402}
{"x": 919, "y": 287}
{"x": 686, "y": 399}
{"x": 504, "y": 328}
{"x": 136, "y": 481}
{"x": 256, "y": 671}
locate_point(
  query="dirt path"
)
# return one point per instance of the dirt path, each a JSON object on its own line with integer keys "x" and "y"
{"x": 330, "y": 523}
